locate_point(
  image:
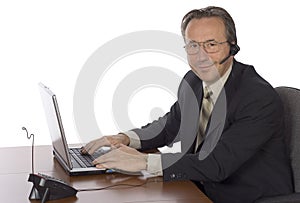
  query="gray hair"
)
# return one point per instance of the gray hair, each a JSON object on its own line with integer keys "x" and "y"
{"x": 212, "y": 11}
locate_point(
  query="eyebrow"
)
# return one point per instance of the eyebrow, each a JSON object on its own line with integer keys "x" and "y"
{"x": 210, "y": 40}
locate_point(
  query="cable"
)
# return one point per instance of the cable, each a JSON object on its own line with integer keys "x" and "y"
{"x": 87, "y": 189}
{"x": 117, "y": 185}
{"x": 32, "y": 148}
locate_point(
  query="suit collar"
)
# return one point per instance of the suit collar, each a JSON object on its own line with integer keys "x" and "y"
{"x": 233, "y": 81}
{"x": 231, "y": 85}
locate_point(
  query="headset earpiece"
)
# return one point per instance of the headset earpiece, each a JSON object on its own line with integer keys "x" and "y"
{"x": 234, "y": 49}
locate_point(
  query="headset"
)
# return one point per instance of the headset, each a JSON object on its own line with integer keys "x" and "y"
{"x": 234, "y": 49}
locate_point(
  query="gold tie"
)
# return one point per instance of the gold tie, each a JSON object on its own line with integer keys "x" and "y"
{"x": 206, "y": 109}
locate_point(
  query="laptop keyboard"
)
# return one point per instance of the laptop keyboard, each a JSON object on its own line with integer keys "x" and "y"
{"x": 86, "y": 159}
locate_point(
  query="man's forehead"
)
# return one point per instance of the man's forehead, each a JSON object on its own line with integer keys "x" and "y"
{"x": 204, "y": 29}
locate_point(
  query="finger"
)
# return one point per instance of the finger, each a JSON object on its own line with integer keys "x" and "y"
{"x": 111, "y": 165}
{"x": 83, "y": 150}
{"x": 96, "y": 162}
{"x": 108, "y": 157}
{"x": 94, "y": 148}
{"x": 97, "y": 144}
{"x": 101, "y": 166}
{"x": 86, "y": 149}
{"x": 113, "y": 147}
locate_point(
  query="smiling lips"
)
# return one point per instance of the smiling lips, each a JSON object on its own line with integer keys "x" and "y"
{"x": 204, "y": 66}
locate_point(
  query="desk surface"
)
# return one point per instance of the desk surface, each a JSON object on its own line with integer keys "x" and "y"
{"x": 16, "y": 188}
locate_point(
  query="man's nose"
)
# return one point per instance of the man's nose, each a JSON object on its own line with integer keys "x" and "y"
{"x": 202, "y": 55}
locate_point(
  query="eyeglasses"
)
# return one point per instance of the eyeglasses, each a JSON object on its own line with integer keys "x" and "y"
{"x": 210, "y": 46}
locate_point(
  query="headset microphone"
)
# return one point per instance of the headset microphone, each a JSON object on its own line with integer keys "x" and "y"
{"x": 225, "y": 59}
{"x": 234, "y": 49}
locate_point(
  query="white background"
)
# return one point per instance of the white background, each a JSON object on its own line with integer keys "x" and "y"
{"x": 50, "y": 41}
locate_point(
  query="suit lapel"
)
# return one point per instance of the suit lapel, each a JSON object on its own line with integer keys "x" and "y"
{"x": 218, "y": 117}
{"x": 190, "y": 98}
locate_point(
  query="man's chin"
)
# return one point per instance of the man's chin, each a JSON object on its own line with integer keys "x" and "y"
{"x": 204, "y": 70}
{"x": 207, "y": 74}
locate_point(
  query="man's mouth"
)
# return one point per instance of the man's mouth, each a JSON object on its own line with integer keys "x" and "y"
{"x": 205, "y": 66}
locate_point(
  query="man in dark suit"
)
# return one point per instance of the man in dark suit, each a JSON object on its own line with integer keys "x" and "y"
{"x": 227, "y": 117}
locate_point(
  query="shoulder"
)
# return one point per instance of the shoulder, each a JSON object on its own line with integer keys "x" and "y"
{"x": 252, "y": 87}
{"x": 191, "y": 78}
{"x": 190, "y": 81}
{"x": 246, "y": 77}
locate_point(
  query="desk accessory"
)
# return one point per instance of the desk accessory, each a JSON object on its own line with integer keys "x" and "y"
{"x": 46, "y": 187}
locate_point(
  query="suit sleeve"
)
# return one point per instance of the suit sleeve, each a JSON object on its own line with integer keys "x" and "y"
{"x": 161, "y": 132}
{"x": 171, "y": 127}
{"x": 180, "y": 121}
{"x": 254, "y": 119}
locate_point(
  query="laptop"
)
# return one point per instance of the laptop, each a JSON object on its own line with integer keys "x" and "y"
{"x": 69, "y": 158}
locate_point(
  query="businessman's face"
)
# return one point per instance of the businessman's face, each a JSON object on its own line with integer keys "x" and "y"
{"x": 206, "y": 62}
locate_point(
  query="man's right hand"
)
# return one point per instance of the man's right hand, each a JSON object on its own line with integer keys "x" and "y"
{"x": 111, "y": 141}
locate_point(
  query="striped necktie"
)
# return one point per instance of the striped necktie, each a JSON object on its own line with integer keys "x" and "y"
{"x": 206, "y": 109}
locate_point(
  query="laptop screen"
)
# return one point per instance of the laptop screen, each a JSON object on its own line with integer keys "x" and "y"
{"x": 56, "y": 130}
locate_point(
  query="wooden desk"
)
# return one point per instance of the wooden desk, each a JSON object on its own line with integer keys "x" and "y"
{"x": 15, "y": 188}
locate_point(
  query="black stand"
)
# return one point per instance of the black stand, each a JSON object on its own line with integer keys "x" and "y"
{"x": 38, "y": 191}
{"x": 35, "y": 195}
{"x": 48, "y": 188}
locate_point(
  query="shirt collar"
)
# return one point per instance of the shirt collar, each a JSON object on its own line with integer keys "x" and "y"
{"x": 217, "y": 86}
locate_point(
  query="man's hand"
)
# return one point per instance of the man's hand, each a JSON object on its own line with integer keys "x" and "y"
{"x": 124, "y": 158}
{"x": 111, "y": 141}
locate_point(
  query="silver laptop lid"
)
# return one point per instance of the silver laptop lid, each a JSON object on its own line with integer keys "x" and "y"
{"x": 54, "y": 121}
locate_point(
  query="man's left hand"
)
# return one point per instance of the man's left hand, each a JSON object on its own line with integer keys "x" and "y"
{"x": 124, "y": 158}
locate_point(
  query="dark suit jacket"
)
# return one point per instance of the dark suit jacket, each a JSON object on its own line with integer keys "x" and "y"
{"x": 243, "y": 156}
